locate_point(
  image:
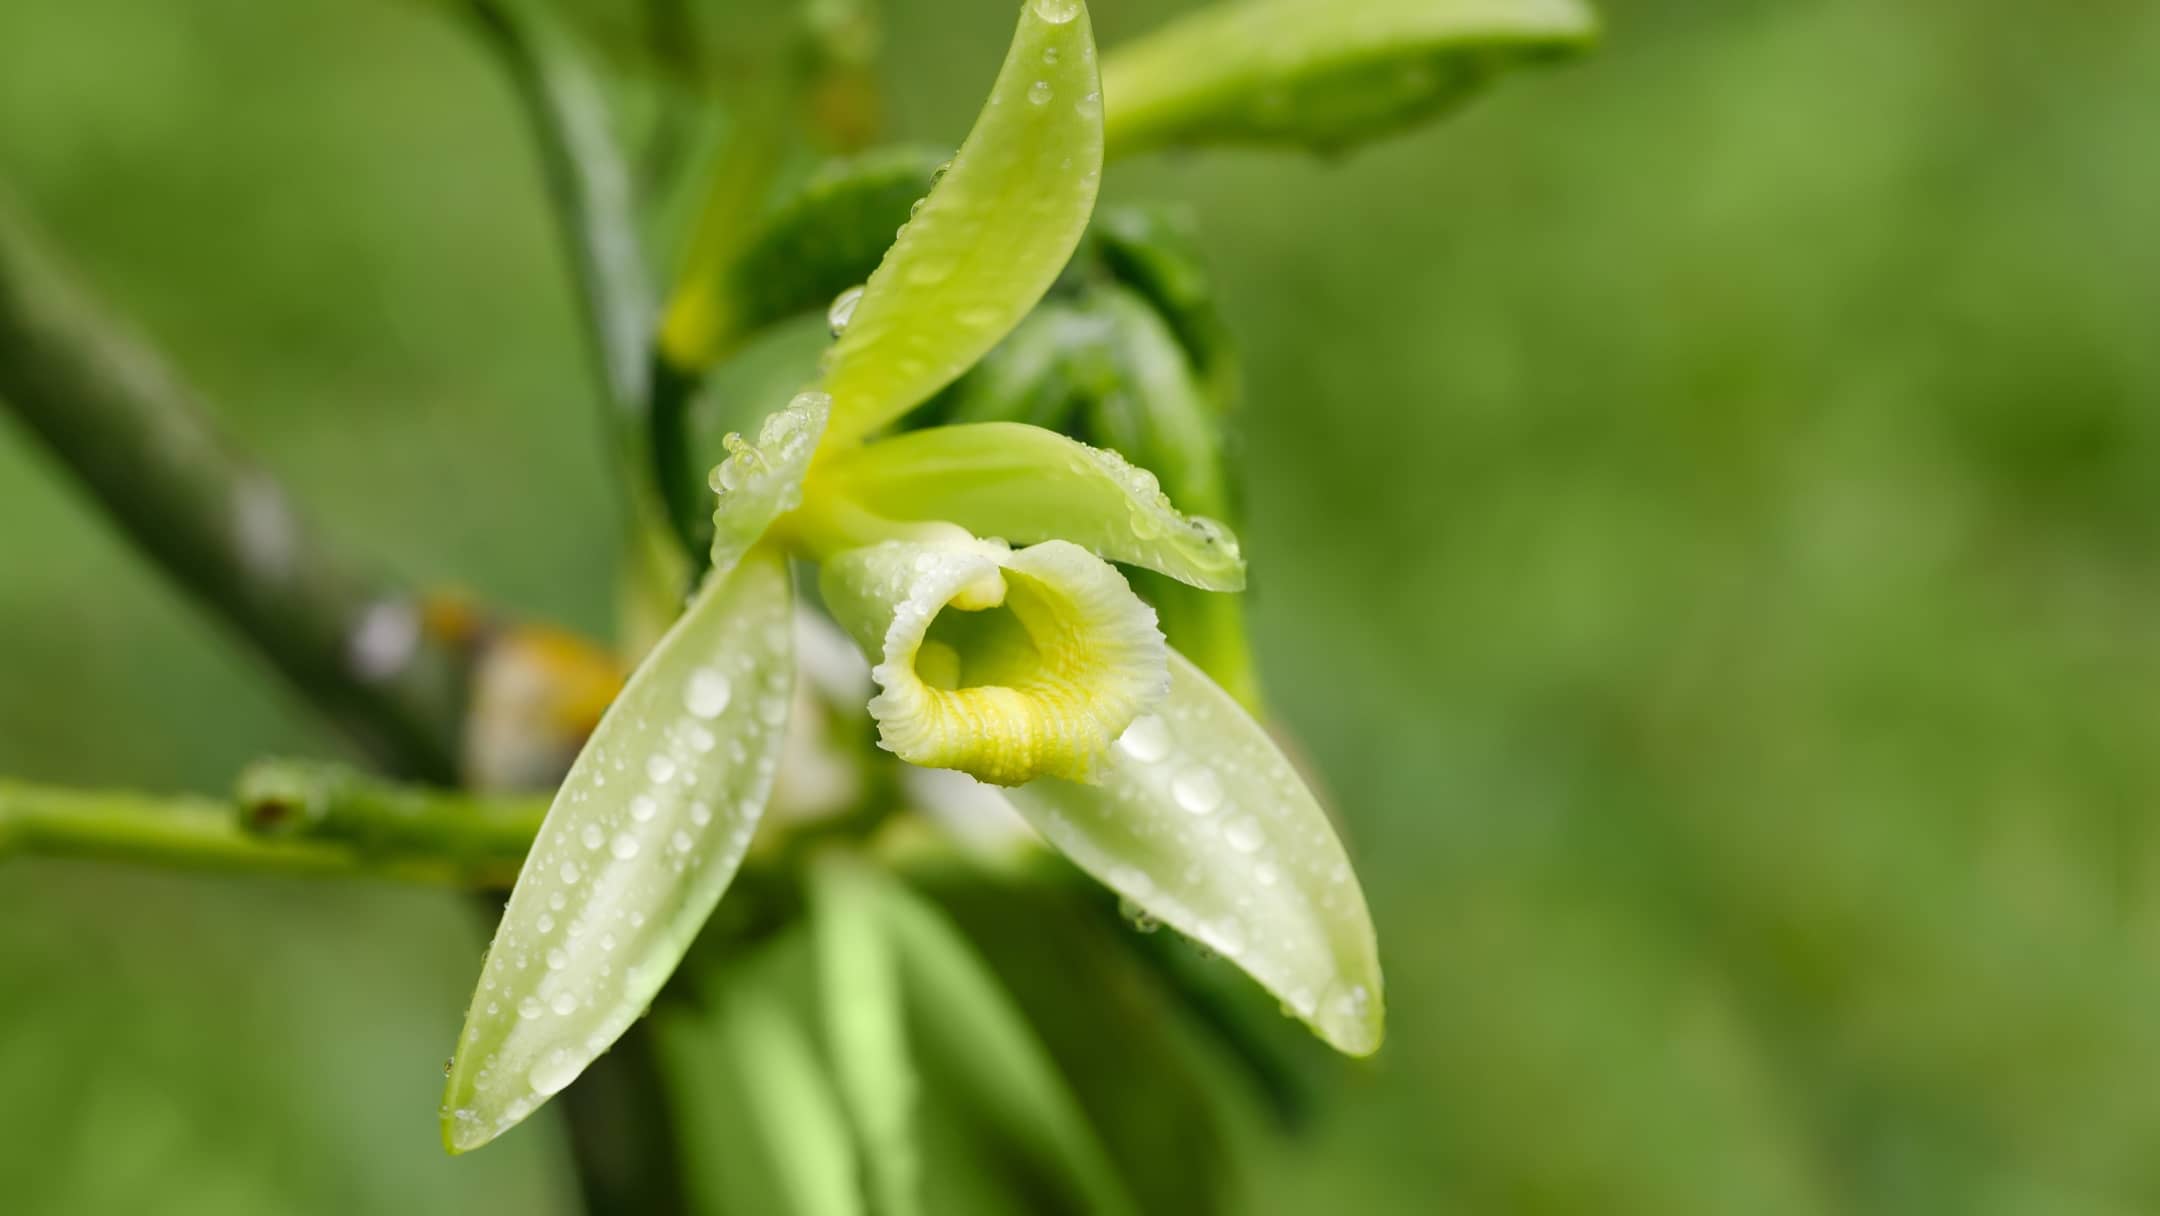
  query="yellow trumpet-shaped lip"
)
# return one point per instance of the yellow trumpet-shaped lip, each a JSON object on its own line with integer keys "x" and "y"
{"x": 1004, "y": 665}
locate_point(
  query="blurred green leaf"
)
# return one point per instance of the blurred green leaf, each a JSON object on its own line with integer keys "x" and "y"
{"x": 1323, "y": 74}
{"x": 799, "y": 1120}
{"x": 1024, "y": 484}
{"x": 1200, "y": 821}
{"x": 997, "y": 1058}
{"x": 990, "y": 237}
{"x": 1154, "y": 251}
{"x": 1028, "y": 377}
{"x": 866, "y": 1027}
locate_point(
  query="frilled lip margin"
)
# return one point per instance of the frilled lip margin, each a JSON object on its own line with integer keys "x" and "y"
{"x": 1006, "y": 665}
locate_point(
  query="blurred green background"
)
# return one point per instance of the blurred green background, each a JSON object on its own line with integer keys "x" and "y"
{"x": 1705, "y": 513}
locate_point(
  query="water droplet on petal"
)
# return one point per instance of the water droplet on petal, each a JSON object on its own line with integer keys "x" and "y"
{"x": 569, "y": 871}
{"x": 592, "y": 836}
{"x": 643, "y": 808}
{"x": 557, "y": 960}
{"x": 1039, "y": 93}
{"x": 843, "y": 309}
{"x": 707, "y": 693}
{"x": 1057, "y": 12}
{"x": 660, "y": 768}
{"x": 529, "y": 1007}
{"x": 1146, "y": 740}
{"x": 1197, "y": 790}
{"x": 564, "y": 1004}
{"x": 1244, "y": 834}
{"x": 624, "y": 846}
{"x": 553, "y": 1071}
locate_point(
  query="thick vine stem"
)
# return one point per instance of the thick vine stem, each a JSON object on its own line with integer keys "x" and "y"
{"x": 111, "y": 410}
{"x": 190, "y": 832}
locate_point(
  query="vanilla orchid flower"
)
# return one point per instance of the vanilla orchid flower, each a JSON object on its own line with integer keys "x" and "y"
{"x": 977, "y": 568}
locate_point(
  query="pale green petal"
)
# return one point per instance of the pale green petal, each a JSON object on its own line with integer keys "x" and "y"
{"x": 1199, "y": 820}
{"x": 760, "y": 482}
{"x": 866, "y": 1026}
{"x": 1004, "y": 1068}
{"x": 1324, "y": 74}
{"x": 644, "y": 835}
{"x": 1023, "y": 484}
{"x": 989, "y": 238}
{"x": 1004, "y": 665}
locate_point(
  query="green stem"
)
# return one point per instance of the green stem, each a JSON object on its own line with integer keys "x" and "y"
{"x": 589, "y": 186}
{"x": 207, "y": 834}
{"x": 111, "y": 410}
{"x": 302, "y": 799}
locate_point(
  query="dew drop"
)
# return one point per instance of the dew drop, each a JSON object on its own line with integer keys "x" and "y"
{"x": 1266, "y": 874}
{"x": 624, "y": 846}
{"x": 1146, "y": 740}
{"x": 842, "y": 309}
{"x": 1039, "y": 93}
{"x": 700, "y": 813}
{"x": 529, "y": 1007}
{"x": 569, "y": 871}
{"x": 553, "y": 1071}
{"x": 557, "y": 959}
{"x": 1057, "y": 12}
{"x": 1244, "y": 834}
{"x": 592, "y": 837}
{"x": 708, "y": 692}
{"x": 1197, "y": 790}
{"x": 643, "y": 808}
{"x": 564, "y": 1004}
{"x": 680, "y": 841}
{"x": 660, "y": 768}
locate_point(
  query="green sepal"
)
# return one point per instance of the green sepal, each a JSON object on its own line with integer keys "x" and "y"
{"x": 641, "y": 841}
{"x": 990, "y": 237}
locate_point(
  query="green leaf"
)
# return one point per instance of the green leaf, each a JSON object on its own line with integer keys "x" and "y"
{"x": 800, "y": 1123}
{"x": 1199, "y": 820}
{"x": 866, "y": 1027}
{"x": 1024, "y": 485}
{"x": 970, "y": 1021}
{"x": 642, "y": 839}
{"x": 992, "y": 234}
{"x": 1324, "y": 74}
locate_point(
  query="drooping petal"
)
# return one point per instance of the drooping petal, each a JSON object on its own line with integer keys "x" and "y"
{"x": 1199, "y": 820}
{"x": 1024, "y": 484}
{"x": 989, "y": 238}
{"x": 643, "y": 837}
{"x": 1004, "y": 665}
{"x": 1324, "y": 74}
{"x": 651, "y": 823}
